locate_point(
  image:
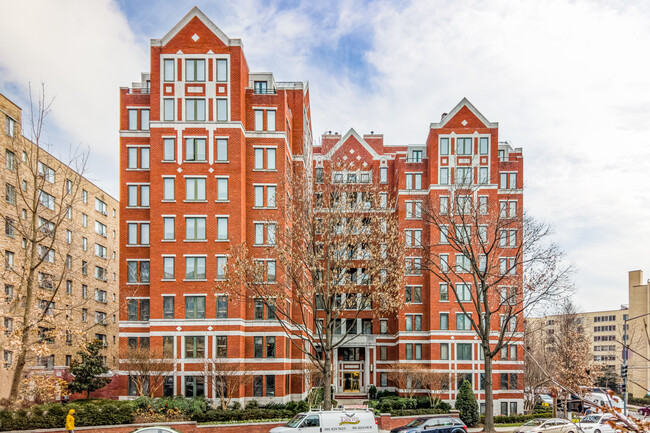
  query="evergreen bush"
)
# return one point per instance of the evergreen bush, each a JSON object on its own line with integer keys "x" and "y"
{"x": 467, "y": 405}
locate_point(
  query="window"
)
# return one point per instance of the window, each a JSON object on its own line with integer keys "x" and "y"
{"x": 484, "y": 145}
{"x": 46, "y": 171}
{"x": 168, "y": 307}
{"x": 463, "y": 292}
{"x": 9, "y": 229}
{"x": 444, "y": 292}
{"x": 444, "y": 205}
{"x": 222, "y": 307}
{"x": 100, "y": 206}
{"x": 444, "y": 176}
{"x": 222, "y": 228}
{"x": 444, "y": 321}
{"x": 168, "y": 149}
{"x": 133, "y": 276}
{"x": 169, "y": 228}
{"x": 259, "y": 120}
{"x": 413, "y": 209}
{"x": 222, "y": 70}
{"x": 463, "y": 263}
{"x": 195, "y": 149}
{"x": 463, "y": 175}
{"x": 444, "y": 262}
{"x": 168, "y": 188}
{"x": 10, "y": 126}
{"x": 10, "y": 160}
{"x": 222, "y": 189}
{"x": 413, "y": 238}
{"x": 259, "y": 196}
{"x": 195, "y": 110}
{"x": 168, "y": 346}
{"x": 194, "y": 347}
{"x": 463, "y": 146}
{"x": 483, "y": 175}
{"x": 168, "y": 268}
{"x": 413, "y": 266}
{"x": 100, "y": 228}
{"x": 444, "y": 146}
{"x": 195, "y": 228}
{"x": 221, "y": 346}
{"x": 383, "y": 174}
{"x": 444, "y": 351}
{"x": 68, "y": 287}
{"x": 168, "y": 66}
{"x": 464, "y": 351}
{"x": 414, "y": 181}
{"x": 222, "y": 110}
{"x": 258, "y": 386}
{"x": 261, "y": 87}
{"x": 270, "y": 120}
{"x": 383, "y": 379}
{"x": 194, "y": 70}
{"x": 144, "y": 120}
{"x": 195, "y": 268}
{"x": 168, "y": 109}
{"x": 133, "y": 120}
{"x": 444, "y": 234}
{"x": 195, "y": 307}
{"x": 413, "y": 322}
{"x": 413, "y": 294}
{"x": 222, "y": 262}
{"x": 463, "y": 322}
{"x": 270, "y": 347}
{"x": 258, "y": 345}
{"x": 383, "y": 353}
{"x": 508, "y": 180}
{"x": 100, "y": 251}
{"x": 222, "y": 150}
{"x": 195, "y": 189}
{"x": 44, "y": 198}
{"x": 9, "y": 264}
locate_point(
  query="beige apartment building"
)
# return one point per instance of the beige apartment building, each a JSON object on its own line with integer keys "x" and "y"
{"x": 606, "y": 331}
{"x": 73, "y": 228}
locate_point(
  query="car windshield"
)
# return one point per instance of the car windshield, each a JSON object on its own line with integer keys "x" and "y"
{"x": 416, "y": 422}
{"x": 590, "y": 419}
{"x": 534, "y": 422}
{"x": 293, "y": 423}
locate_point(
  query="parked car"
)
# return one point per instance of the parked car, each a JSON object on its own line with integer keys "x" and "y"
{"x": 345, "y": 421}
{"x": 437, "y": 424}
{"x": 547, "y": 425}
{"x": 544, "y": 400}
{"x": 596, "y": 423}
{"x": 645, "y": 411}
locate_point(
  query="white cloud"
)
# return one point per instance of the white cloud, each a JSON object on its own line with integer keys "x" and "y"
{"x": 566, "y": 80}
{"x": 83, "y": 51}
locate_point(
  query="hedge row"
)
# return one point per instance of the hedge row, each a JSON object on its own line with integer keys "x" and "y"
{"x": 638, "y": 401}
{"x": 53, "y": 416}
{"x": 216, "y": 415}
{"x": 411, "y": 412}
{"x": 510, "y": 419}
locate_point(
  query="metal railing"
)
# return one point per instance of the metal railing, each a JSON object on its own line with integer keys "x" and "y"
{"x": 264, "y": 91}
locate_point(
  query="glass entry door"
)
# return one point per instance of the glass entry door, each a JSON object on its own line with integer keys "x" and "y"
{"x": 351, "y": 381}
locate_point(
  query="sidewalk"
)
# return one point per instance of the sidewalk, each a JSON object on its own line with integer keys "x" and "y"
{"x": 478, "y": 429}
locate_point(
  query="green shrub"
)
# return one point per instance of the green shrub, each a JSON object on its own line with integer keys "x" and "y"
{"x": 467, "y": 405}
{"x": 252, "y": 404}
{"x": 241, "y": 415}
{"x": 411, "y": 412}
{"x": 372, "y": 392}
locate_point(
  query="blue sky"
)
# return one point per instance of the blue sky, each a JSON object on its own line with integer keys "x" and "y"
{"x": 566, "y": 80}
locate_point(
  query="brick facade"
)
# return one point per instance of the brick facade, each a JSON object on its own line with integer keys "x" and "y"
{"x": 250, "y": 113}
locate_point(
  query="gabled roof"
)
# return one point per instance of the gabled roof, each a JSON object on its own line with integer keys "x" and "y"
{"x": 464, "y": 103}
{"x": 196, "y": 12}
{"x": 352, "y": 133}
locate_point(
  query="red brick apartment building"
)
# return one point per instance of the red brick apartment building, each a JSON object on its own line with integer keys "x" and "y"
{"x": 204, "y": 145}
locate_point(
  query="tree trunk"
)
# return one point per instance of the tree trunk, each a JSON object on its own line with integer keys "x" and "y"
{"x": 327, "y": 380}
{"x": 488, "y": 425}
{"x": 24, "y": 340}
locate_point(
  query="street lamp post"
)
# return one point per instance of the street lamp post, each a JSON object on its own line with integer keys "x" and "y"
{"x": 625, "y": 352}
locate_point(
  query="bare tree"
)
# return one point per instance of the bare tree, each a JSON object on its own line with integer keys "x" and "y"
{"x": 570, "y": 353}
{"x": 338, "y": 262}
{"x": 147, "y": 369}
{"x": 535, "y": 379}
{"x": 227, "y": 378}
{"x": 436, "y": 383}
{"x": 40, "y": 200}
{"x": 313, "y": 382}
{"x": 406, "y": 377}
{"x": 505, "y": 264}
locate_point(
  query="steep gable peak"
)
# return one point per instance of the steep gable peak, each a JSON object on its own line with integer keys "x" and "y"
{"x": 464, "y": 103}
{"x": 196, "y": 13}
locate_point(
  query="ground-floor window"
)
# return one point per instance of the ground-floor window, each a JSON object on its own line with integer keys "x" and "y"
{"x": 258, "y": 385}
{"x": 270, "y": 386}
{"x": 513, "y": 408}
{"x": 194, "y": 386}
{"x": 482, "y": 408}
{"x": 504, "y": 408}
{"x": 168, "y": 387}
{"x": 383, "y": 379}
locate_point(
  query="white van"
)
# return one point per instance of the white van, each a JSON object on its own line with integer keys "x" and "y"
{"x": 345, "y": 421}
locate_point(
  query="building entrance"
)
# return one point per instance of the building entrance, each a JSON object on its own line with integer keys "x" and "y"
{"x": 351, "y": 381}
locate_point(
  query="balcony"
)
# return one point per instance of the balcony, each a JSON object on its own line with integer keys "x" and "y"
{"x": 138, "y": 91}
{"x": 264, "y": 91}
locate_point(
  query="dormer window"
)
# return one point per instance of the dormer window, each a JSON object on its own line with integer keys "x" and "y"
{"x": 261, "y": 87}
